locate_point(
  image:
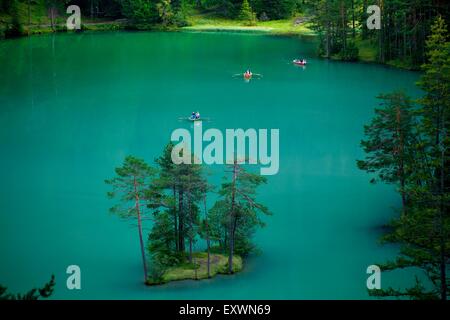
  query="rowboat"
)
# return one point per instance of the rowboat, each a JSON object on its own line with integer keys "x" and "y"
{"x": 299, "y": 62}
{"x": 193, "y": 119}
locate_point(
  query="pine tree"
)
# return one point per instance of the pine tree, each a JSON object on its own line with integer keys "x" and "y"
{"x": 390, "y": 140}
{"x": 161, "y": 241}
{"x": 129, "y": 185}
{"x": 165, "y": 12}
{"x": 240, "y": 204}
{"x": 246, "y": 14}
{"x": 140, "y": 12}
{"x": 435, "y": 113}
{"x": 34, "y": 294}
{"x": 185, "y": 184}
{"x": 423, "y": 233}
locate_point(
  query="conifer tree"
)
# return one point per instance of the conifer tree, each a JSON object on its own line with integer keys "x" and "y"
{"x": 129, "y": 186}
{"x": 389, "y": 146}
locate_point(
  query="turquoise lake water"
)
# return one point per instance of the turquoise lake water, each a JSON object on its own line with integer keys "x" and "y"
{"x": 72, "y": 106}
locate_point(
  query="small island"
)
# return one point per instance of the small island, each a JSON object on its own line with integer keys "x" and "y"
{"x": 173, "y": 197}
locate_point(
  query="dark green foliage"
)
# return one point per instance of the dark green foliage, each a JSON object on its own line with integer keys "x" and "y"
{"x": 140, "y": 12}
{"x": 162, "y": 241}
{"x": 8, "y": 6}
{"x": 331, "y": 20}
{"x": 218, "y": 224}
{"x": 176, "y": 195}
{"x": 350, "y": 53}
{"x": 405, "y": 25}
{"x": 34, "y": 294}
{"x": 274, "y": 9}
{"x": 179, "y": 189}
{"x": 414, "y": 153}
{"x": 129, "y": 186}
{"x": 238, "y": 210}
{"x": 156, "y": 271}
{"x": 15, "y": 28}
{"x": 147, "y": 13}
{"x": 129, "y": 183}
{"x": 246, "y": 14}
{"x": 391, "y": 141}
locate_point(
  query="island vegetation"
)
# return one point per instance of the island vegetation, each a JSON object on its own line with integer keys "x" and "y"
{"x": 174, "y": 198}
{"x": 339, "y": 25}
{"x": 407, "y": 144}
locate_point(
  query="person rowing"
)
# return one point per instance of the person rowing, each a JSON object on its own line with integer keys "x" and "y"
{"x": 195, "y": 116}
{"x": 248, "y": 75}
{"x": 300, "y": 61}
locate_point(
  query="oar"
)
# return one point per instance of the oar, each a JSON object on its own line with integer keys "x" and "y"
{"x": 188, "y": 119}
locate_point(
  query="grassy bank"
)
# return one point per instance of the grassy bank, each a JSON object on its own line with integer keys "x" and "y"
{"x": 39, "y": 23}
{"x": 198, "y": 269}
{"x": 204, "y": 22}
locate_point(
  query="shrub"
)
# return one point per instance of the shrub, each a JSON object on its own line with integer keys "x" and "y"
{"x": 246, "y": 14}
{"x": 156, "y": 272}
{"x": 350, "y": 53}
{"x": 263, "y": 17}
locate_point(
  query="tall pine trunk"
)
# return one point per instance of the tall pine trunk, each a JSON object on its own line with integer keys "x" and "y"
{"x": 232, "y": 219}
{"x": 180, "y": 222}
{"x": 208, "y": 247}
{"x": 141, "y": 240}
{"x": 190, "y": 227}
{"x": 442, "y": 244}
{"x": 344, "y": 27}
{"x": 401, "y": 170}
{"x": 442, "y": 236}
{"x": 328, "y": 31}
{"x": 364, "y": 31}
{"x": 175, "y": 220}
{"x": 29, "y": 16}
{"x": 353, "y": 19}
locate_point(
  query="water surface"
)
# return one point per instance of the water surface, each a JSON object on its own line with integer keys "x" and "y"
{"x": 72, "y": 106}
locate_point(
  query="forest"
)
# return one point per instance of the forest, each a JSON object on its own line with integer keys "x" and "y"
{"x": 407, "y": 145}
{"x": 340, "y": 25}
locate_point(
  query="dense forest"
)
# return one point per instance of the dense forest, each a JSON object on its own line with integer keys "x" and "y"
{"x": 405, "y": 26}
{"x": 339, "y": 24}
{"x": 407, "y": 144}
{"x": 174, "y": 198}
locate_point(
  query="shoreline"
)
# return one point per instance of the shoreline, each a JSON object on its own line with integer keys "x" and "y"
{"x": 279, "y": 28}
{"x": 197, "y": 270}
